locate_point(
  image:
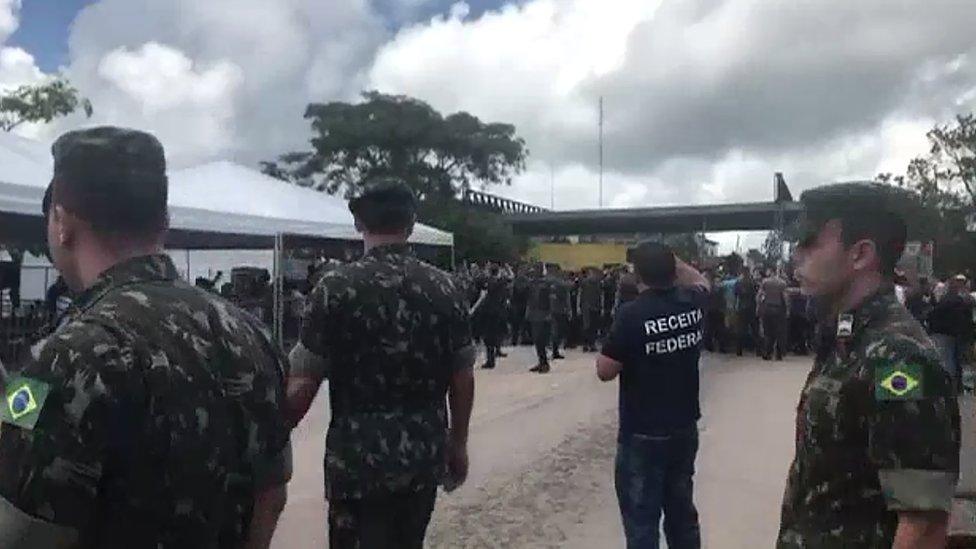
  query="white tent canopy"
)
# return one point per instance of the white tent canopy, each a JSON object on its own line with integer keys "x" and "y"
{"x": 216, "y": 205}
{"x": 227, "y": 187}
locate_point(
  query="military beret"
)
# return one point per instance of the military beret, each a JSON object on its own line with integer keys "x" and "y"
{"x": 384, "y": 193}
{"x": 121, "y": 153}
{"x": 854, "y": 200}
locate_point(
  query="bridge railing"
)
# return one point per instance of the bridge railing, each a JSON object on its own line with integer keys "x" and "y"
{"x": 499, "y": 204}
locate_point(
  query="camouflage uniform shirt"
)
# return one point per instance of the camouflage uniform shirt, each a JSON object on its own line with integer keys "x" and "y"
{"x": 388, "y": 330}
{"x": 539, "y": 306}
{"x": 158, "y": 414}
{"x": 877, "y": 433}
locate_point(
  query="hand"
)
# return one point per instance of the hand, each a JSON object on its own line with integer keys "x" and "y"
{"x": 457, "y": 464}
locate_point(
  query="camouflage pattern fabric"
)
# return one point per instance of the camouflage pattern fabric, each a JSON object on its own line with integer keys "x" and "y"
{"x": 877, "y": 433}
{"x": 590, "y": 294}
{"x": 539, "y": 306}
{"x": 560, "y": 296}
{"x": 390, "y": 328}
{"x": 163, "y": 415}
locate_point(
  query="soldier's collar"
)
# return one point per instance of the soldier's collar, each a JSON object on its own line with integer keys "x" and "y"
{"x": 140, "y": 269}
{"x": 402, "y": 248}
{"x": 876, "y": 306}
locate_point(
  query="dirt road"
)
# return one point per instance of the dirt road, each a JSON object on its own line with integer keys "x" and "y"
{"x": 542, "y": 451}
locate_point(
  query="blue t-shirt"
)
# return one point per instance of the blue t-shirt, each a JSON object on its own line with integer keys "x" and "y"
{"x": 657, "y": 338}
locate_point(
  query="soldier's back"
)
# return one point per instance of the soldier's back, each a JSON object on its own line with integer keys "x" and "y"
{"x": 175, "y": 397}
{"x": 390, "y": 324}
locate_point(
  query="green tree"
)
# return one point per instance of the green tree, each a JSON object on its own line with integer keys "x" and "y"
{"x": 399, "y": 136}
{"x": 772, "y": 248}
{"x": 945, "y": 181}
{"x": 40, "y": 103}
{"x": 756, "y": 257}
{"x": 438, "y": 156}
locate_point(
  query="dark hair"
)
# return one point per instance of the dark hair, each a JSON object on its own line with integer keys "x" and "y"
{"x": 654, "y": 263}
{"x": 887, "y": 230}
{"x": 387, "y": 206}
{"x": 116, "y": 208}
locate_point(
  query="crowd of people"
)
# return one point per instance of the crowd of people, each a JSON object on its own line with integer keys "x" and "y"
{"x": 160, "y": 414}
{"x": 543, "y": 305}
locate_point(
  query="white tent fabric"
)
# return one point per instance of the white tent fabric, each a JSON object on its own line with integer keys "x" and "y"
{"x": 216, "y": 198}
{"x": 24, "y": 161}
{"x": 228, "y": 187}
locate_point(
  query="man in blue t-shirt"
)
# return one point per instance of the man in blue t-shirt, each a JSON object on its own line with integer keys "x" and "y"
{"x": 654, "y": 346}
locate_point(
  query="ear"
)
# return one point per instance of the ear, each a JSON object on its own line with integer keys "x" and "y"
{"x": 864, "y": 253}
{"x": 65, "y": 225}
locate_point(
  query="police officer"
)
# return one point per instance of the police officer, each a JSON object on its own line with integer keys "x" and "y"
{"x": 877, "y": 442}
{"x": 538, "y": 313}
{"x": 392, "y": 335}
{"x": 153, "y": 416}
{"x": 655, "y": 346}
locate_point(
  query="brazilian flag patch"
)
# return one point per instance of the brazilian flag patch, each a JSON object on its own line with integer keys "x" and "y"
{"x": 898, "y": 382}
{"x": 23, "y": 401}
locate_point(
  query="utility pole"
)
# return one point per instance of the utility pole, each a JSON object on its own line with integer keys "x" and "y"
{"x": 552, "y": 188}
{"x": 601, "y": 152}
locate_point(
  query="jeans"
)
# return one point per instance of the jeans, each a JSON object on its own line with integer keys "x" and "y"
{"x": 654, "y": 475}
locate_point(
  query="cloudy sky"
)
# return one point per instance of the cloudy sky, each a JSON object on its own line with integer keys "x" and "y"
{"x": 705, "y": 99}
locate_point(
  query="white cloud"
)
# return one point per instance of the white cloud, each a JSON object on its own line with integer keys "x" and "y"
{"x": 17, "y": 67}
{"x": 8, "y": 18}
{"x": 706, "y": 99}
{"x": 169, "y": 93}
{"x": 223, "y": 78}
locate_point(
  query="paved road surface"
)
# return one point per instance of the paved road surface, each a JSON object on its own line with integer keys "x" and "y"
{"x": 542, "y": 452}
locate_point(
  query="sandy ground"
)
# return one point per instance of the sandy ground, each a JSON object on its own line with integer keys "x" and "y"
{"x": 542, "y": 450}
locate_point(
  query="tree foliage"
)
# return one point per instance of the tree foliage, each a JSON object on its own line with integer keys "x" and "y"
{"x": 437, "y": 156}
{"x": 40, "y": 103}
{"x": 772, "y": 248}
{"x": 945, "y": 181}
{"x": 399, "y": 136}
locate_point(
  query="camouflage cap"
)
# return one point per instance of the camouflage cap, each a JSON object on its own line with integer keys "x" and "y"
{"x": 111, "y": 176}
{"x": 384, "y": 193}
{"x": 853, "y": 200}
{"x": 107, "y": 150}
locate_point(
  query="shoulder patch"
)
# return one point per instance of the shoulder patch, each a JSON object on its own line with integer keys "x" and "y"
{"x": 23, "y": 401}
{"x": 901, "y": 381}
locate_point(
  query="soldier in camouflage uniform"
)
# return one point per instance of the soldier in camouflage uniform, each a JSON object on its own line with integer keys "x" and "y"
{"x": 538, "y": 313}
{"x": 152, "y": 416}
{"x": 561, "y": 289}
{"x": 877, "y": 441}
{"x": 392, "y": 335}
